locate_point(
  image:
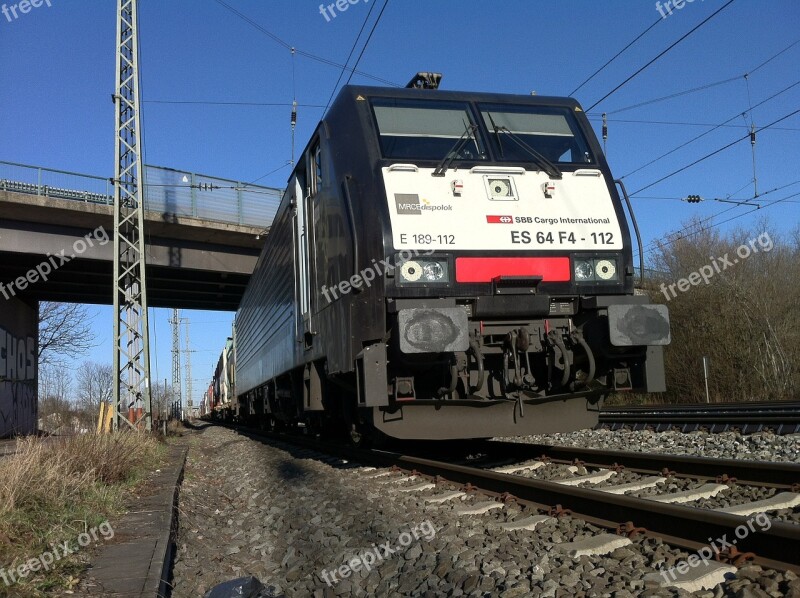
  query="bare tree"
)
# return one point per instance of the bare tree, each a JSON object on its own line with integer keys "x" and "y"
{"x": 64, "y": 330}
{"x": 55, "y": 388}
{"x": 744, "y": 318}
{"x": 161, "y": 397}
{"x": 95, "y": 384}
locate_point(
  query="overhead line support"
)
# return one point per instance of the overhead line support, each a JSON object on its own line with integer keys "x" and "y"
{"x": 131, "y": 360}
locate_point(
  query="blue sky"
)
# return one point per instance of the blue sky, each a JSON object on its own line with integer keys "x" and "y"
{"x": 57, "y": 76}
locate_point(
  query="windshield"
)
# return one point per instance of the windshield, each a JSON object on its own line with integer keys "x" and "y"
{"x": 552, "y": 132}
{"x": 412, "y": 129}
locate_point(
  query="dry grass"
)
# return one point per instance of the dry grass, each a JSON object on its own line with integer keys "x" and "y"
{"x": 51, "y": 490}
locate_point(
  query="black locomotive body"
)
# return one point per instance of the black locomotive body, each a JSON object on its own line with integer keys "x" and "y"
{"x": 446, "y": 265}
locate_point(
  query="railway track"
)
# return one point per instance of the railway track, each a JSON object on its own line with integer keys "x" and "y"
{"x": 495, "y": 483}
{"x": 781, "y": 417}
{"x": 766, "y": 473}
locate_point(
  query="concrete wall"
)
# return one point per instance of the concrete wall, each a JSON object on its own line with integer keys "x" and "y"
{"x": 19, "y": 325}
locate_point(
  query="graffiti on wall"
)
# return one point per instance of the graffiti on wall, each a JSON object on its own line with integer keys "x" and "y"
{"x": 18, "y": 404}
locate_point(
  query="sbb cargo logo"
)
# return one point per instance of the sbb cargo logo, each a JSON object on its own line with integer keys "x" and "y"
{"x": 499, "y": 219}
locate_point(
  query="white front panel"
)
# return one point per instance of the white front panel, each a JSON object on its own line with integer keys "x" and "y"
{"x": 496, "y": 208}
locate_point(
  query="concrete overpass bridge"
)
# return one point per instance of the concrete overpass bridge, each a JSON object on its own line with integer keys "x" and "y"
{"x": 203, "y": 236}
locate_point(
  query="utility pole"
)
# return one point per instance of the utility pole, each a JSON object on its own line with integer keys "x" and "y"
{"x": 177, "y": 399}
{"x": 132, "y": 405}
{"x": 706, "y": 369}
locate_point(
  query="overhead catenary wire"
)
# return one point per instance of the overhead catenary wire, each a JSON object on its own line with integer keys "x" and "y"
{"x": 714, "y": 153}
{"x": 751, "y": 201}
{"x": 273, "y": 171}
{"x": 369, "y": 38}
{"x": 714, "y": 128}
{"x": 662, "y": 53}
{"x": 611, "y": 112}
{"x": 661, "y": 243}
{"x": 677, "y": 123}
{"x": 617, "y": 55}
{"x": 350, "y": 55}
{"x": 703, "y": 87}
{"x": 294, "y": 51}
{"x": 653, "y": 245}
{"x": 678, "y": 94}
{"x": 670, "y": 240}
{"x": 224, "y": 103}
{"x": 303, "y": 53}
{"x": 727, "y": 198}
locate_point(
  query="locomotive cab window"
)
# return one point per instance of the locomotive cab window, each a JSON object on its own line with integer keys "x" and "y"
{"x": 410, "y": 129}
{"x": 550, "y": 132}
{"x": 315, "y": 168}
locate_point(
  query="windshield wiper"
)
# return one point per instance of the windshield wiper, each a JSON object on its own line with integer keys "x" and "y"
{"x": 546, "y": 165}
{"x": 496, "y": 132}
{"x": 465, "y": 138}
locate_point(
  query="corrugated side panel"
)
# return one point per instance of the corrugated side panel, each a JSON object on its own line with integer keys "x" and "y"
{"x": 265, "y": 323}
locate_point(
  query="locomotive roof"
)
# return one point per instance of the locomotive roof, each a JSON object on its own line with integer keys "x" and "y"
{"x": 352, "y": 91}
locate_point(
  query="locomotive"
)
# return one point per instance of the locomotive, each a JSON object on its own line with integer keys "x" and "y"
{"x": 218, "y": 399}
{"x": 446, "y": 265}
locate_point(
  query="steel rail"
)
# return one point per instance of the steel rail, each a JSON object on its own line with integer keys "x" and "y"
{"x": 759, "y": 473}
{"x": 687, "y": 527}
{"x": 781, "y": 416}
{"x": 710, "y": 407}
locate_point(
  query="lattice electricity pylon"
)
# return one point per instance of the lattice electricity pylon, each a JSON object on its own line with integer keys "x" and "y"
{"x": 177, "y": 401}
{"x": 189, "y": 402}
{"x": 131, "y": 337}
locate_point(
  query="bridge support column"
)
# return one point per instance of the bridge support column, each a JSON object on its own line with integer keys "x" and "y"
{"x": 19, "y": 327}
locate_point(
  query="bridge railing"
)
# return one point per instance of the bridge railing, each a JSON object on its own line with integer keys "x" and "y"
{"x": 185, "y": 193}
{"x": 60, "y": 184}
{"x": 168, "y": 191}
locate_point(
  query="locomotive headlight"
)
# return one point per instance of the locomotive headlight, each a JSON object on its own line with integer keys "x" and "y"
{"x": 433, "y": 271}
{"x": 410, "y": 271}
{"x": 605, "y": 269}
{"x": 424, "y": 270}
{"x": 595, "y": 269}
{"x": 499, "y": 186}
{"x": 584, "y": 270}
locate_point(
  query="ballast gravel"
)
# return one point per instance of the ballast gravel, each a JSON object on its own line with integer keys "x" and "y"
{"x": 293, "y": 519}
{"x": 761, "y": 446}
